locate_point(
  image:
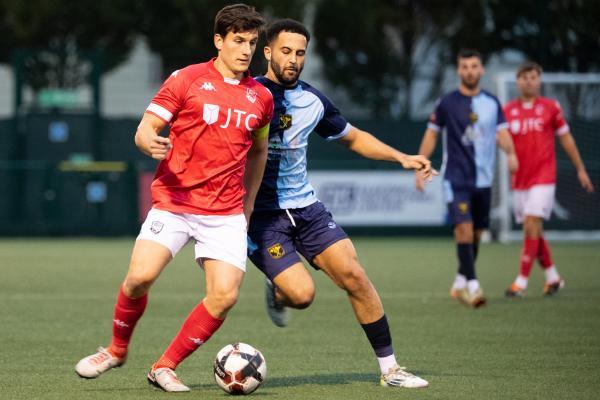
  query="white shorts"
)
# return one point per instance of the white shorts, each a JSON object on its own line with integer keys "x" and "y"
{"x": 220, "y": 237}
{"x": 537, "y": 201}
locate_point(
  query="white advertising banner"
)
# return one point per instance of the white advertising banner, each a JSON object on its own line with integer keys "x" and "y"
{"x": 379, "y": 198}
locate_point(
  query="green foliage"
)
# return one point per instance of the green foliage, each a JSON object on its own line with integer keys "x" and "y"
{"x": 181, "y": 31}
{"x": 376, "y": 50}
{"x": 60, "y": 31}
{"x": 563, "y": 35}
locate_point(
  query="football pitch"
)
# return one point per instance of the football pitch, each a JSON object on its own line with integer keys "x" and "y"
{"x": 57, "y": 297}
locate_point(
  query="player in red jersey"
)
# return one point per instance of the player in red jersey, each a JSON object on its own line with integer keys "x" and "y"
{"x": 533, "y": 121}
{"x": 211, "y": 166}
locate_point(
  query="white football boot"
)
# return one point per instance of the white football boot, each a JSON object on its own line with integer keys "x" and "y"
{"x": 96, "y": 364}
{"x": 166, "y": 379}
{"x": 278, "y": 313}
{"x": 398, "y": 377}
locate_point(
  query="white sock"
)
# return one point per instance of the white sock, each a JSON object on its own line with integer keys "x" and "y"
{"x": 521, "y": 282}
{"x": 551, "y": 274}
{"x": 460, "y": 282}
{"x": 385, "y": 363}
{"x": 473, "y": 285}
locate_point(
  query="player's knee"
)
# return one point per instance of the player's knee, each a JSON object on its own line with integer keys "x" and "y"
{"x": 463, "y": 233}
{"x": 136, "y": 285}
{"x": 355, "y": 279}
{"x": 302, "y": 297}
{"x": 531, "y": 228}
{"x": 223, "y": 298}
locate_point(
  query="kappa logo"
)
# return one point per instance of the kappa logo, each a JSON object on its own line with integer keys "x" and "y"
{"x": 197, "y": 341}
{"x": 285, "y": 121}
{"x": 120, "y": 323}
{"x": 251, "y": 95}
{"x": 276, "y": 251}
{"x": 208, "y": 87}
{"x": 156, "y": 227}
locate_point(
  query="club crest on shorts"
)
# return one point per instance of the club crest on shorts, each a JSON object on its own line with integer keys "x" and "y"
{"x": 276, "y": 251}
{"x": 463, "y": 207}
{"x": 156, "y": 227}
{"x": 285, "y": 121}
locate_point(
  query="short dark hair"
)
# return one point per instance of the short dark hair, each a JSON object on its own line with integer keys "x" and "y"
{"x": 286, "y": 25}
{"x": 468, "y": 53}
{"x": 529, "y": 66}
{"x": 238, "y": 18}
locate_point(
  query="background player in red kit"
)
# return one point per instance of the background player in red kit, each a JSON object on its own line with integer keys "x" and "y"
{"x": 219, "y": 119}
{"x": 533, "y": 121}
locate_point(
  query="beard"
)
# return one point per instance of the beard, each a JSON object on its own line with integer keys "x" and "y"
{"x": 471, "y": 83}
{"x": 283, "y": 79}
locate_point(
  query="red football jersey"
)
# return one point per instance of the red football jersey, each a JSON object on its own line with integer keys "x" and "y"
{"x": 533, "y": 126}
{"x": 211, "y": 123}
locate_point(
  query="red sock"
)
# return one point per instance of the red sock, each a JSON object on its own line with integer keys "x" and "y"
{"x": 127, "y": 313}
{"x": 544, "y": 254}
{"x": 528, "y": 256}
{"x": 197, "y": 329}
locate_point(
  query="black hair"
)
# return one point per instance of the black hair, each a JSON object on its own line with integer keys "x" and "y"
{"x": 468, "y": 53}
{"x": 286, "y": 25}
{"x": 529, "y": 66}
{"x": 238, "y": 18}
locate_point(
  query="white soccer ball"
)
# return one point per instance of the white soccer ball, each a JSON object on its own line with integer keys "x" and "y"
{"x": 239, "y": 368}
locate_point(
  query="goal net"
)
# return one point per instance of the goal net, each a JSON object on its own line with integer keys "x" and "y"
{"x": 576, "y": 214}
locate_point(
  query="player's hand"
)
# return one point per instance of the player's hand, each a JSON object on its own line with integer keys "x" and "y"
{"x": 419, "y": 181}
{"x": 159, "y": 147}
{"x": 513, "y": 163}
{"x": 585, "y": 181}
{"x": 421, "y": 164}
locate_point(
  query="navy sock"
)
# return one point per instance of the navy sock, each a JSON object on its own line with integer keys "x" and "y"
{"x": 466, "y": 260}
{"x": 475, "y": 251}
{"x": 378, "y": 333}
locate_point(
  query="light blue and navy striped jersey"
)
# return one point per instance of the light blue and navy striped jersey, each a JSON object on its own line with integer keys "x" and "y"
{"x": 471, "y": 124}
{"x": 298, "y": 111}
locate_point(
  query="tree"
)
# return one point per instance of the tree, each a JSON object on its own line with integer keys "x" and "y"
{"x": 59, "y": 32}
{"x": 563, "y": 35}
{"x": 182, "y": 31}
{"x": 375, "y": 51}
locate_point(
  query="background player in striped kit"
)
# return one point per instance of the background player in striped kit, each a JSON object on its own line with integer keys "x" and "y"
{"x": 473, "y": 123}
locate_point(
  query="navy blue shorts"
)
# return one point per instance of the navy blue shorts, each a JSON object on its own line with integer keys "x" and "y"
{"x": 275, "y": 238}
{"x": 470, "y": 205}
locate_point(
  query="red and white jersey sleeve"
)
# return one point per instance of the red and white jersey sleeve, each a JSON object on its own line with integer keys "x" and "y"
{"x": 533, "y": 127}
{"x": 170, "y": 97}
{"x": 211, "y": 120}
{"x": 560, "y": 124}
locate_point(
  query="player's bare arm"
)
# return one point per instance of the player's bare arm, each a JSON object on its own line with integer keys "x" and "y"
{"x": 568, "y": 144}
{"x": 148, "y": 140}
{"x": 506, "y": 144}
{"x": 369, "y": 146}
{"x": 426, "y": 150}
{"x": 255, "y": 167}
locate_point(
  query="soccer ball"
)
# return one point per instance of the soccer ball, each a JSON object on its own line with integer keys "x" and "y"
{"x": 239, "y": 368}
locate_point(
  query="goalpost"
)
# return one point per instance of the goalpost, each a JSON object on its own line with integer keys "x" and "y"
{"x": 576, "y": 214}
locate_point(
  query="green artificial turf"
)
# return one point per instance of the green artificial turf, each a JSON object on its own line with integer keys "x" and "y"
{"x": 57, "y": 297}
